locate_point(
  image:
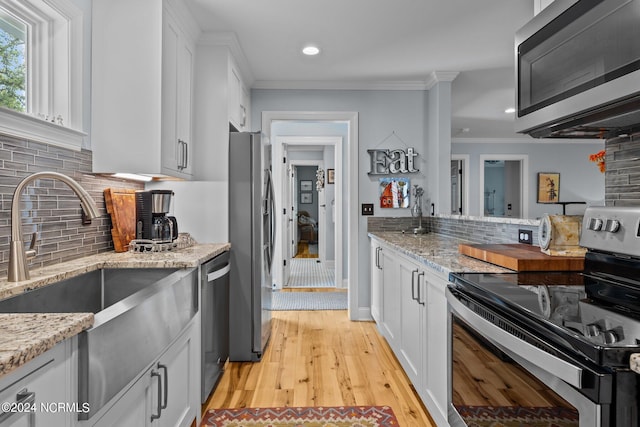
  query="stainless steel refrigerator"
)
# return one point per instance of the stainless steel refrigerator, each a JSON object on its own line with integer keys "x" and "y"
{"x": 251, "y": 233}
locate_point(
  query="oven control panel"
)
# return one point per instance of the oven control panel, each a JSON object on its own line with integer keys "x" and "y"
{"x": 612, "y": 229}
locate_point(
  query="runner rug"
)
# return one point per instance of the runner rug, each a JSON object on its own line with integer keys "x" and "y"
{"x": 342, "y": 416}
{"x": 517, "y": 416}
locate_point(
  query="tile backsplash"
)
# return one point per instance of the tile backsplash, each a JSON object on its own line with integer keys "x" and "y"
{"x": 50, "y": 207}
{"x": 622, "y": 178}
{"x": 467, "y": 228}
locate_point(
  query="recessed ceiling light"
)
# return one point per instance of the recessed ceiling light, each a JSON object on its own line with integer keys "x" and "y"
{"x": 510, "y": 110}
{"x": 310, "y": 50}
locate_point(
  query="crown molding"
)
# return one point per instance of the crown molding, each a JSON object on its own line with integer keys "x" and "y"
{"x": 440, "y": 76}
{"x": 525, "y": 140}
{"x": 339, "y": 85}
{"x": 230, "y": 40}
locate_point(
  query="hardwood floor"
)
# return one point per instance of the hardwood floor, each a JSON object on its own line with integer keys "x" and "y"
{"x": 303, "y": 250}
{"x": 321, "y": 358}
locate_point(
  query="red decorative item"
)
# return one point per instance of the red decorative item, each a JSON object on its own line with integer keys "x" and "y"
{"x": 599, "y": 158}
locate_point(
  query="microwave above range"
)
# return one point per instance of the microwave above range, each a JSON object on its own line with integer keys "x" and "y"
{"x": 578, "y": 70}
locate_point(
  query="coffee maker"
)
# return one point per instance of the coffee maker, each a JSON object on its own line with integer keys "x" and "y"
{"x": 152, "y": 222}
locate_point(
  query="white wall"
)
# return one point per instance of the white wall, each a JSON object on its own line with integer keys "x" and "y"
{"x": 580, "y": 179}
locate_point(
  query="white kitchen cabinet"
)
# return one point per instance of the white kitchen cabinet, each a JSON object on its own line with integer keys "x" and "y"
{"x": 238, "y": 99}
{"x": 166, "y": 394}
{"x": 142, "y": 87}
{"x": 414, "y": 322}
{"x": 391, "y": 319}
{"x": 436, "y": 361}
{"x": 221, "y": 102}
{"x": 376, "y": 281}
{"x": 37, "y": 388}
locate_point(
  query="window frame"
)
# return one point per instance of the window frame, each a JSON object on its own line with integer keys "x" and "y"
{"x": 54, "y": 74}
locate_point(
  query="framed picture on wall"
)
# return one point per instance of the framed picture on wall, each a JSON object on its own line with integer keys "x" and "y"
{"x": 306, "y": 198}
{"x": 331, "y": 176}
{"x": 548, "y": 187}
{"x": 306, "y": 185}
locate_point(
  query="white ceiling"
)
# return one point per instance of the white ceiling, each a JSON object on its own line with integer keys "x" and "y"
{"x": 382, "y": 44}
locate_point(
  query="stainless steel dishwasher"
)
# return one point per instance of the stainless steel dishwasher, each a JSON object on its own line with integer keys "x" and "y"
{"x": 215, "y": 321}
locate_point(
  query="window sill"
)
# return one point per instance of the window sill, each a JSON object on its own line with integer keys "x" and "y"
{"x": 24, "y": 126}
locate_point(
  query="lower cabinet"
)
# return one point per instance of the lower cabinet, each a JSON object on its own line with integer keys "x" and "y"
{"x": 414, "y": 322}
{"x": 167, "y": 394}
{"x": 39, "y": 393}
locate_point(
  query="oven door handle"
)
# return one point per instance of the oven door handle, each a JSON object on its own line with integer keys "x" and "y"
{"x": 543, "y": 360}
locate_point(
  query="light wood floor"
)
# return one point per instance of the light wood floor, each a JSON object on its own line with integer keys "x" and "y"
{"x": 303, "y": 250}
{"x": 321, "y": 358}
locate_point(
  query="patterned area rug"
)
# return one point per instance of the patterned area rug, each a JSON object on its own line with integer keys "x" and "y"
{"x": 488, "y": 416}
{"x": 284, "y": 301}
{"x": 342, "y": 416}
{"x": 310, "y": 273}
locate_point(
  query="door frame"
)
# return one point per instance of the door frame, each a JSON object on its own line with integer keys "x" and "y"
{"x": 466, "y": 160}
{"x": 322, "y": 217}
{"x": 348, "y": 231}
{"x": 281, "y": 146}
{"x": 524, "y": 179}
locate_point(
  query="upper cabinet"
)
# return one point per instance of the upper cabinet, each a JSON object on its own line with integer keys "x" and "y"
{"x": 221, "y": 102}
{"x": 143, "y": 57}
{"x": 238, "y": 99}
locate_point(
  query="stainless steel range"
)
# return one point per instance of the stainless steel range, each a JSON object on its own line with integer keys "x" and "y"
{"x": 552, "y": 347}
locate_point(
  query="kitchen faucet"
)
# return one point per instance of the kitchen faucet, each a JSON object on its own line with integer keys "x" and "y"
{"x": 18, "y": 267}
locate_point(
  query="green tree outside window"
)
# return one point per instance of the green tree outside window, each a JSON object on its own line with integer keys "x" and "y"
{"x": 12, "y": 72}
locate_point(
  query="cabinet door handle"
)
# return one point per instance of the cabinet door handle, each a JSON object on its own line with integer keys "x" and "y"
{"x": 185, "y": 157}
{"x": 165, "y": 394}
{"x": 154, "y": 373}
{"x": 413, "y": 282}
{"x": 24, "y": 399}
{"x": 378, "y": 250}
{"x": 419, "y": 297}
{"x": 180, "y": 154}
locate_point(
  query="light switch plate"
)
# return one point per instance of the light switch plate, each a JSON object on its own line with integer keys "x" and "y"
{"x": 367, "y": 209}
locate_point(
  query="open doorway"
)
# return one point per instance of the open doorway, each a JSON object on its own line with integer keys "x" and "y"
{"x": 346, "y": 206}
{"x": 308, "y": 195}
{"x": 504, "y": 185}
{"x": 306, "y": 207}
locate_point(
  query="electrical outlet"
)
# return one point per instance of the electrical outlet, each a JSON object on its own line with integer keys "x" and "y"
{"x": 525, "y": 236}
{"x": 367, "y": 209}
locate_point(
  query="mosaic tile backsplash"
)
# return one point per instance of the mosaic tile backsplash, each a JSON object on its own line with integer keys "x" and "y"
{"x": 49, "y": 207}
{"x": 468, "y": 228}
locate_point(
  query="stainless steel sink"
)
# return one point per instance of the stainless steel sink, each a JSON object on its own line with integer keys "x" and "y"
{"x": 138, "y": 313}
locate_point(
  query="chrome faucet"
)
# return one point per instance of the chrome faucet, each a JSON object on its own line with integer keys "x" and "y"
{"x": 18, "y": 267}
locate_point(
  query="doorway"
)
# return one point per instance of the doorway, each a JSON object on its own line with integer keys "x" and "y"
{"x": 311, "y": 234}
{"x": 504, "y": 185}
{"x": 346, "y": 206}
{"x": 460, "y": 184}
{"x": 311, "y": 215}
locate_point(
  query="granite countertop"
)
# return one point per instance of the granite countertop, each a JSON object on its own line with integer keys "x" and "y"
{"x": 24, "y": 336}
{"x": 437, "y": 251}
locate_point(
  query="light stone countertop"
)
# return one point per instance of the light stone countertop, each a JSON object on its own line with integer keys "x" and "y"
{"x": 24, "y": 336}
{"x": 437, "y": 251}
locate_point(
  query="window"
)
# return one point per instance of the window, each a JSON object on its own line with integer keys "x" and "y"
{"x": 41, "y": 47}
{"x": 13, "y": 67}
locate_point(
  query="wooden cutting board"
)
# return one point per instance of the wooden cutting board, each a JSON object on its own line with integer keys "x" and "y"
{"x": 121, "y": 205}
{"x": 521, "y": 257}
